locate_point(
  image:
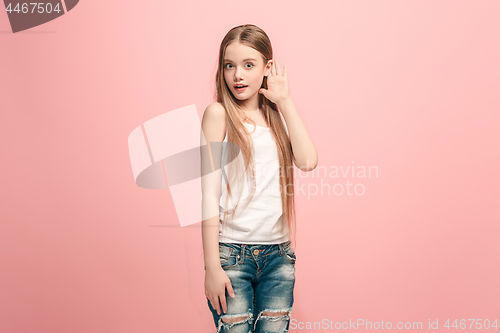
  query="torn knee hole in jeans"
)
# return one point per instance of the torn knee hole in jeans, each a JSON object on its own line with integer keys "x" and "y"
{"x": 274, "y": 314}
{"x": 283, "y": 314}
{"x": 234, "y": 319}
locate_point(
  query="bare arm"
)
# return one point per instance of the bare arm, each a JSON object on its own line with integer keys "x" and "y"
{"x": 213, "y": 132}
{"x": 304, "y": 151}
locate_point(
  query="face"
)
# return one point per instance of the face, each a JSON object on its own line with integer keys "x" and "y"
{"x": 245, "y": 66}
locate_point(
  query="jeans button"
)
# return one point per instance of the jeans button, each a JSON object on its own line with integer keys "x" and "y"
{"x": 255, "y": 252}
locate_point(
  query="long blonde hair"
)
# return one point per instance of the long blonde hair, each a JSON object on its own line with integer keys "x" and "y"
{"x": 239, "y": 137}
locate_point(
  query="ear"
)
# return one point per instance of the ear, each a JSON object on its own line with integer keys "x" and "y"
{"x": 269, "y": 67}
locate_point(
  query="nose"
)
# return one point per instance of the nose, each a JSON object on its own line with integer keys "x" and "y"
{"x": 237, "y": 74}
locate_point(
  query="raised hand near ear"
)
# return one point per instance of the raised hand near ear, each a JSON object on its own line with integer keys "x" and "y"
{"x": 277, "y": 84}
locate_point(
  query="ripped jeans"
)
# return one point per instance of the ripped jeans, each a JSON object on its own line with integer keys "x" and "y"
{"x": 263, "y": 279}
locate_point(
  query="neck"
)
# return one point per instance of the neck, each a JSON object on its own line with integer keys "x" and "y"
{"x": 250, "y": 105}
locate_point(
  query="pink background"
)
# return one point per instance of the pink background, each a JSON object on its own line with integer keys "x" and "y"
{"x": 410, "y": 87}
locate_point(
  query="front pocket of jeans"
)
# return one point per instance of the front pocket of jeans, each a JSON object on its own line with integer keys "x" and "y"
{"x": 224, "y": 253}
{"x": 228, "y": 257}
{"x": 290, "y": 253}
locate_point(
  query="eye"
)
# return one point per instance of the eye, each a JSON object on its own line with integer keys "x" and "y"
{"x": 225, "y": 66}
{"x": 249, "y": 63}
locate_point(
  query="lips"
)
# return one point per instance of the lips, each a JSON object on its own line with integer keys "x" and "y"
{"x": 240, "y": 87}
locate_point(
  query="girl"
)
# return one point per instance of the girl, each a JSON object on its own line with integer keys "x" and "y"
{"x": 249, "y": 260}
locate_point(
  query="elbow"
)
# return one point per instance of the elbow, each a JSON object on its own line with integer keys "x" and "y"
{"x": 311, "y": 165}
{"x": 308, "y": 165}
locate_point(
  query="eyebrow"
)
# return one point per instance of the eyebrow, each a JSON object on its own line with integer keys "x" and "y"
{"x": 243, "y": 59}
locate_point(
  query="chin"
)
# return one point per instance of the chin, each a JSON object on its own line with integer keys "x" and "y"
{"x": 238, "y": 96}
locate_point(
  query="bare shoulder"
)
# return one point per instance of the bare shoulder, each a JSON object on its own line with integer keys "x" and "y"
{"x": 214, "y": 122}
{"x": 215, "y": 109}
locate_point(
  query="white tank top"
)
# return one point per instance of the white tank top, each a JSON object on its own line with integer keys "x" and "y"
{"x": 260, "y": 221}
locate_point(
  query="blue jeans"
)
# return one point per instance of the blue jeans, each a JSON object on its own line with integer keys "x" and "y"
{"x": 263, "y": 279}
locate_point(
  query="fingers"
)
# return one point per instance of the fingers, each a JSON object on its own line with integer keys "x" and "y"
{"x": 215, "y": 301}
{"x": 276, "y": 70}
{"x": 215, "y": 305}
{"x": 223, "y": 302}
{"x": 230, "y": 290}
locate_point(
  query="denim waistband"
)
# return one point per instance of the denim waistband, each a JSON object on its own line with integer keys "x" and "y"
{"x": 263, "y": 248}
